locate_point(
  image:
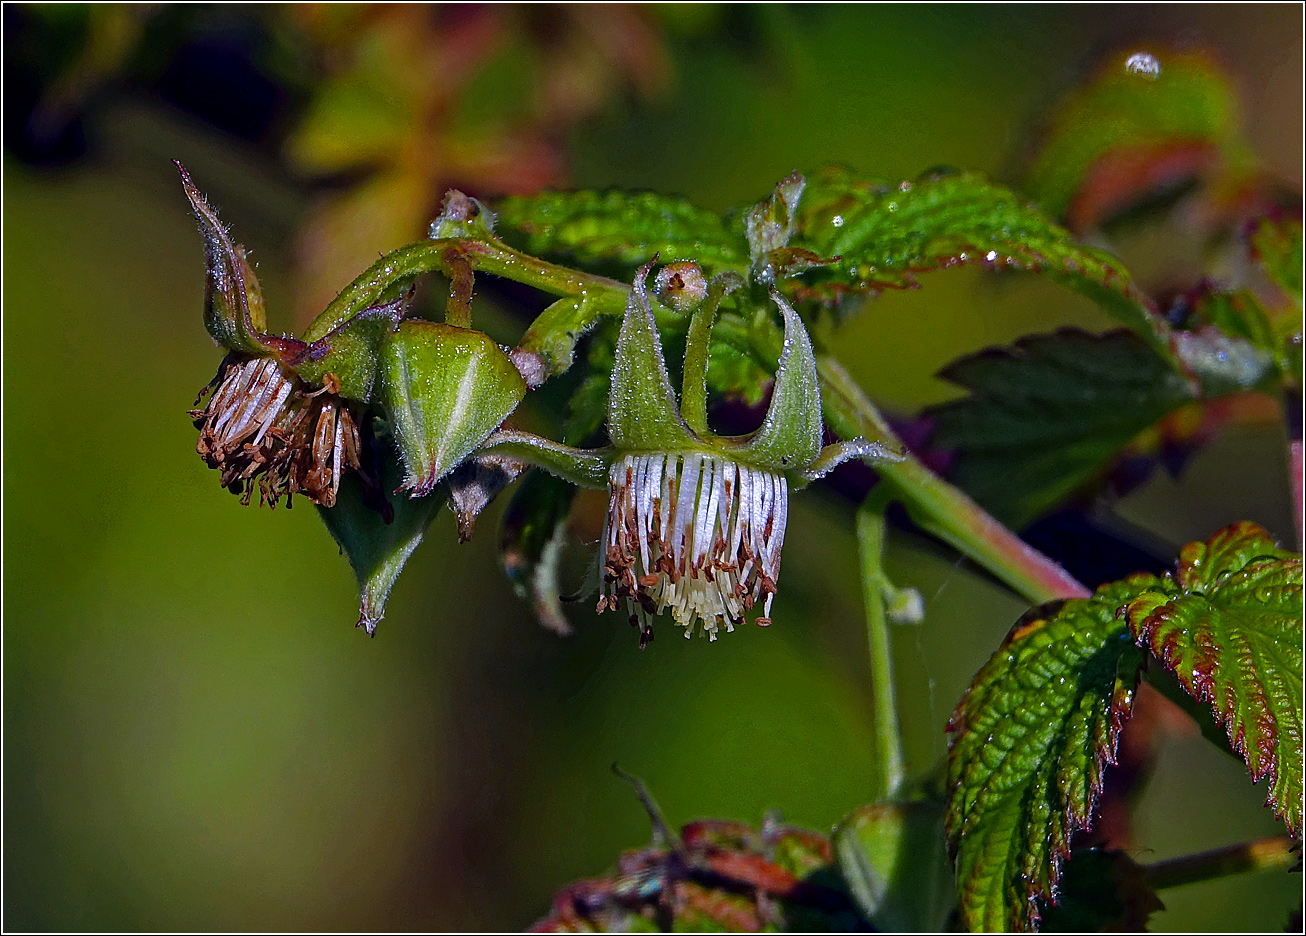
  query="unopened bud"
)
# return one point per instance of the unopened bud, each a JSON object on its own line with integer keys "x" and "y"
{"x": 681, "y": 285}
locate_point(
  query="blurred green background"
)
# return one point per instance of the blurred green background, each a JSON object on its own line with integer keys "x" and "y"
{"x": 195, "y": 737}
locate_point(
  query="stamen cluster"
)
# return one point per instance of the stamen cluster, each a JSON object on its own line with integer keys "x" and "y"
{"x": 694, "y": 533}
{"x": 262, "y": 424}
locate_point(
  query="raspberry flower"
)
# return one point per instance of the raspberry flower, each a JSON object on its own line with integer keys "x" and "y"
{"x": 695, "y": 521}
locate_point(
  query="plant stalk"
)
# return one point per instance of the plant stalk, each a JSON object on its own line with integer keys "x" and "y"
{"x": 938, "y": 507}
{"x": 1276, "y": 853}
{"x": 888, "y": 731}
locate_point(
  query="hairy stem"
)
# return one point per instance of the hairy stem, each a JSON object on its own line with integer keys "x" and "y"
{"x": 938, "y": 507}
{"x": 1276, "y": 853}
{"x": 888, "y": 731}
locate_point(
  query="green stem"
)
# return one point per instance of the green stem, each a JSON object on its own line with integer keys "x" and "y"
{"x": 693, "y": 385}
{"x": 546, "y": 349}
{"x": 938, "y": 507}
{"x": 888, "y": 731}
{"x": 401, "y": 266}
{"x": 1276, "y": 853}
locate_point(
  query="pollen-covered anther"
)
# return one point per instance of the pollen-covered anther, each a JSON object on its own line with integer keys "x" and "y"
{"x": 696, "y": 534}
{"x": 263, "y": 428}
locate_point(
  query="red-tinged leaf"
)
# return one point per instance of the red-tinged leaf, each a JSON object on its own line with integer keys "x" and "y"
{"x": 884, "y": 235}
{"x": 1028, "y": 745}
{"x": 1130, "y": 133}
{"x": 719, "y": 876}
{"x": 1232, "y": 635}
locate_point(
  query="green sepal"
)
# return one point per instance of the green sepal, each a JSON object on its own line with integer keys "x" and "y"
{"x": 378, "y": 538}
{"x": 234, "y": 314}
{"x": 893, "y": 859}
{"x": 352, "y": 352}
{"x": 643, "y": 415}
{"x": 790, "y": 436}
{"x": 445, "y": 390}
{"x": 582, "y": 467}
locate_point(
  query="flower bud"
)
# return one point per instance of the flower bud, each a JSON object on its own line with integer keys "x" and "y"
{"x": 681, "y": 285}
{"x": 445, "y": 390}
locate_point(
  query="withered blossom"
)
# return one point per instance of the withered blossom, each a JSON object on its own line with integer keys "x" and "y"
{"x": 264, "y": 428}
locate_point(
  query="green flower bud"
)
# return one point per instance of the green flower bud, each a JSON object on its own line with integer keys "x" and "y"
{"x": 445, "y": 390}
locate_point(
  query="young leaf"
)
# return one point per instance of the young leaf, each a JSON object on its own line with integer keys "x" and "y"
{"x": 1027, "y": 748}
{"x": 1232, "y": 635}
{"x": 445, "y": 390}
{"x": 378, "y": 542}
{"x": 1047, "y": 416}
{"x": 884, "y": 235}
{"x": 1128, "y": 133}
{"x": 625, "y": 227}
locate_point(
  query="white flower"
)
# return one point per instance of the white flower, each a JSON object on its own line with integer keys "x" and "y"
{"x": 693, "y": 533}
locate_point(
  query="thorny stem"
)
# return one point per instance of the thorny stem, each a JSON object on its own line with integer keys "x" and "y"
{"x": 938, "y": 507}
{"x": 888, "y": 731}
{"x": 1276, "y": 853}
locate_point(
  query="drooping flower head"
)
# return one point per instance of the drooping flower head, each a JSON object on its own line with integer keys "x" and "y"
{"x": 695, "y": 521}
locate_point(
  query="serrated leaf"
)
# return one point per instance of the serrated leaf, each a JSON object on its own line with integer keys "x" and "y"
{"x": 885, "y": 234}
{"x": 1027, "y": 748}
{"x": 1047, "y": 416}
{"x": 1126, "y": 133}
{"x": 378, "y": 532}
{"x": 445, "y": 390}
{"x": 1232, "y": 636}
{"x": 1102, "y": 892}
{"x": 627, "y": 228}
{"x": 892, "y": 857}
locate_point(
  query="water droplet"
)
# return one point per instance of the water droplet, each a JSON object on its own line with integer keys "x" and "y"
{"x": 991, "y": 256}
{"x": 893, "y": 206}
{"x": 1143, "y": 63}
{"x": 838, "y": 221}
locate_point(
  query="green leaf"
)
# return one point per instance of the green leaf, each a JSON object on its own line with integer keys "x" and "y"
{"x": 1126, "y": 133}
{"x": 1102, "y": 892}
{"x": 892, "y": 857}
{"x": 885, "y": 234}
{"x": 1232, "y": 636}
{"x": 1027, "y": 748}
{"x": 534, "y": 531}
{"x": 1047, "y": 416}
{"x": 378, "y": 532}
{"x": 445, "y": 390}
{"x": 628, "y": 228}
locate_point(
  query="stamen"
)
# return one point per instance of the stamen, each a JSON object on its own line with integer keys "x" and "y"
{"x": 697, "y": 535}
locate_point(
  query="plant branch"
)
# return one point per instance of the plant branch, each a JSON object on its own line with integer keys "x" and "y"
{"x": 938, "y": 507}
{"x": 1276, "y": 853}
{"x": 888, "y": 731}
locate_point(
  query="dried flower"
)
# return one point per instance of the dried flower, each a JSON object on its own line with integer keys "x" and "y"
{"x": 263, "y": 426}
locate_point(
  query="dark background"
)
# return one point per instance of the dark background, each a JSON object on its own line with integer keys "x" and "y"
{"x": 195, "y": 737}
